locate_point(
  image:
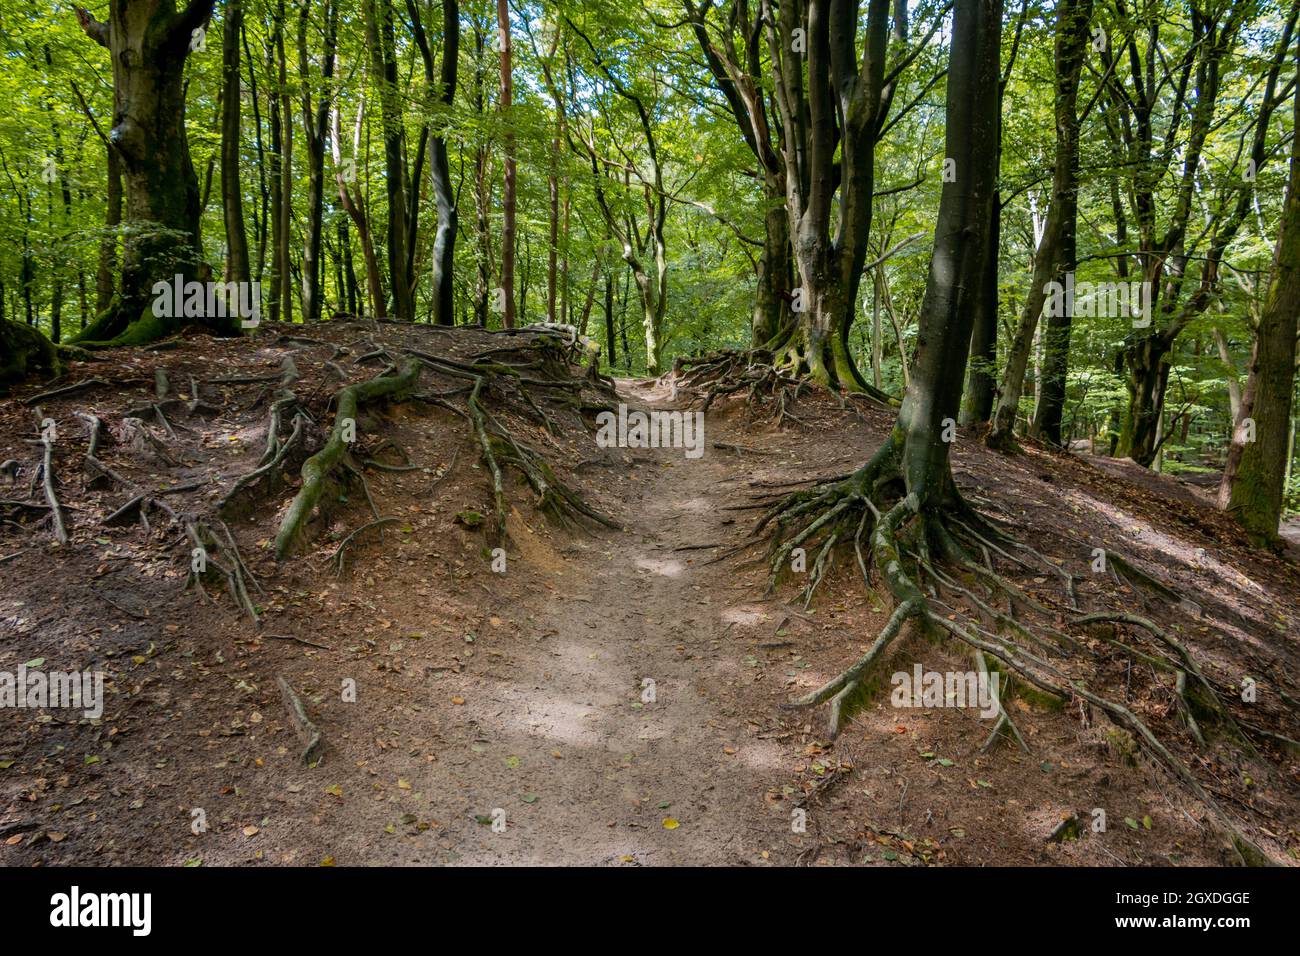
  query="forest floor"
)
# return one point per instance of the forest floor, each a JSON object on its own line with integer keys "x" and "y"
{"x": 524, "y": 696}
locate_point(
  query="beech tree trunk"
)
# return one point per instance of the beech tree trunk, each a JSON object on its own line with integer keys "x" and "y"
{"x": 105, "y": 272}
{"x": 383, "y": 60}
{"x": 355, "y": 208}
{"x": 1056, "y": 246}
{"x": 443, "y": 91}
{"x": 961, "y": 245}
{"x": 981, "y": 382}
{"x": 1253, "y": 482}
{"x": 23, "y": 350}
{"x": 833, "y": 95}
{"x": 283, "y": 274}
{"x": 610, "y": 341}
{"x": 232, "y": 200}
{"x": 1166, "y": 261}
{"x": 508, "y": 189}
{"x": 148, "y": 43}
{"x": 314, "y": 124}
{"x": 739, "y": 76}
{"x": 277, "y": 198}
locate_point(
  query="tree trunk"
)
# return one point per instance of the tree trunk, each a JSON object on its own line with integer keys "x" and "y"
{"x": 352, "y": 205}
{"x": 81, "y": 294}
{"x": 1145, "y": 369}
{"x": 348, "y": 290}
{"x": 553, "y": 223}
{"x": 105, "y": 280}
{"x": 738, "y": 76}
{"x": 232, "y": 197}
{"x": 1164, "y": 259}
{"x": 444, "y": 197}
{"x": 981, "y": 384}
{"x": 961, "y": 246}
{"x": 1057, "y": 240}
{"x": 64, "y": 229}
{"x": 1253, "y": 482}
{"x": 315, "y": 124}
{"x": 277, "y": 198}
{"x": 383, "y": 59}
{"x": 1056, "y": 335}
{"x": 27, "y": 272}
{"x": 148, "y": 42}
{"x": 771, "y": 319}
{"x": 260, "y": 226}
{"x": 833, "y": 101}
{"x": 916, "y": 455}
{"x": 508, "y": 190}
{"x": 1230, "y": 373}
{"x": 24, "y": 350}
{"x": 612, "y": 359}
{"x": 285, "y": 105}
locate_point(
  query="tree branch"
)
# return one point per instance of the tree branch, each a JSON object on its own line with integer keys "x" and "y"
{"x": 91, "y": 27}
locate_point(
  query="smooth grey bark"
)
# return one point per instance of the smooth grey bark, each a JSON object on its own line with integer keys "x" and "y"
{"x": 961, "y": 245}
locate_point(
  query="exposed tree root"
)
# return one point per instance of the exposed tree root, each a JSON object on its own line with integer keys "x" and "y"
{"x": 136, "y": 434}
{"x": 772, "y": 387}
{"x": 1126, "y": 572}
{"x": 51, "y": 496}
{"x": 96, "y": 432}
{"x": 311, "y": 736}
{"x": 316, "y": 470}
{"x": 1203, "y": 699}
{"x": 214, "y": 555}
{"x": 909, "y": 544}
{"x": 769, "y": 392}
{"x": 63, "y": 391}
{"x": 1246, "y": 851}
{"x": 497, "y": 445}
{"x": 371, "y": 460}
{"x": 338, "y": 558}
{"x": 1004, "y": 723}
{"x": 277, "y": 451}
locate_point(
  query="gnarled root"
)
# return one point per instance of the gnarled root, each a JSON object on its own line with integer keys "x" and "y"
{"x": 51, "y": 496}
{"x": 307, "y": 731}
{"x": 316, "y": 470}
{"x": 841, "y": 687}
{"x": 214, "y": 555}
{"x": 770, "y": 392}
{"x": 277, "y": 450}
{"x": 914, "y": 546}
{"x": 497, "y": 445}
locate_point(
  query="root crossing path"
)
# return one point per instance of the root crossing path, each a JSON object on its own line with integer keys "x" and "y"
{"x": 613, "y": 698}
{"x": 614, "y": 735}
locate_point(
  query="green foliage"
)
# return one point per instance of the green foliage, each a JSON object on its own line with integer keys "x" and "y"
{"x": 573, "y": 64}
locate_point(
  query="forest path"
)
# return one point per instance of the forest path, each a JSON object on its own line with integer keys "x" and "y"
{"x": 620, "y": 774}
{"x": 445, "y": 692}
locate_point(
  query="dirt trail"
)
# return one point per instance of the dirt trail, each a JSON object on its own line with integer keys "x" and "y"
{"x": 527, "y": 692}
{"x": 589, "y": 693}
{"x": 618, "y": 612}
